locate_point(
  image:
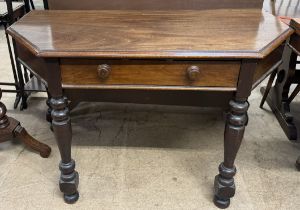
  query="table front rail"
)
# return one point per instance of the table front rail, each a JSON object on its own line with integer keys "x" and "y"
{"x": 197, "y": 75}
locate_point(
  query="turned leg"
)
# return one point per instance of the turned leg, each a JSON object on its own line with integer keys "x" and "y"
{"x": 234, "y": 132}
{"x": 49, "y": 110}
{"x": 61, "y": 122}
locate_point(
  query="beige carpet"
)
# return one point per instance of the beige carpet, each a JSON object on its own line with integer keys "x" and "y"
{"x": 147, "y": 157}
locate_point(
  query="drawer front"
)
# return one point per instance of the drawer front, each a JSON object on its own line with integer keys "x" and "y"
{"x": 159, "y": 73}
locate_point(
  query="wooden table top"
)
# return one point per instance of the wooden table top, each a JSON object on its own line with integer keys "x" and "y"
{"x": 152, "y": 4}
{"x": 207, "y": 34}
{"x": 3, "y": 7}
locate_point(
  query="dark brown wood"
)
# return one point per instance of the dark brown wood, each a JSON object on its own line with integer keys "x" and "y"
{"x": 151, "y": 57}
{"x": 233, "y": 135}
{"x": 268, "y": 65}
{"x": 152, "y": 34}
{"x": 61, "y": 124}
{"x": 152, "y": 4}
{"x": 22, "y": 135}
{"x": 295, "y": 23}
{"x": 48, "y": 113}
{"x": 11, "y": 128}
{"x": 279, "y": 94}
{"x": 298, "y": 163}
{"x": 163, "y": 97}
{"x": 85, "y": 73}
{"x": 4, "y": 122}
{"x": 268, "y": 88}
{"x": 35, "y": 64}
{"x": 246, "y": 79}
{"x": 295, "y": 43}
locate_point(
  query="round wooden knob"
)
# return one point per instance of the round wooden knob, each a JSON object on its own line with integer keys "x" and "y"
{"x": 103, "y": 71}
{"x": 193, "y": 73}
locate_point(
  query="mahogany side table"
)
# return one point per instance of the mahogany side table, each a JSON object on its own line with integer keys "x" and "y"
{"x": 168, "y": 57}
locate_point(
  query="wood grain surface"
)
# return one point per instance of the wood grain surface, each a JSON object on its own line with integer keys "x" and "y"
{"x": 206, "y": 34}
{"x": 152, "y": 4}
{"x": 84, "y": 73}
